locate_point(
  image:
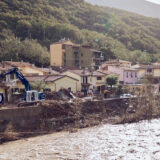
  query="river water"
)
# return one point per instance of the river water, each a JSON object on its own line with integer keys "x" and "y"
{"x": 103, "y": 142}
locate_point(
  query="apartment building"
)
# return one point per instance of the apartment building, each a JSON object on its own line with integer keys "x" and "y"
{"x": 66, "y": 53}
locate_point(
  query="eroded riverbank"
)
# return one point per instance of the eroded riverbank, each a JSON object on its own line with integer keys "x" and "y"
{"x": 104, "y": 142}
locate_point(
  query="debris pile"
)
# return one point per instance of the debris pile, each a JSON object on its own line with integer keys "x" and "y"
{"x": 54, "y": 108}
{"x": 62, "y": 94}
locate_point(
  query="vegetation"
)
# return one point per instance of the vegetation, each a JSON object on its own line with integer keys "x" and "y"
{"x": 112, "y": 80}
{"x": 117, "y": 33}
{"x": 38, "y": 85}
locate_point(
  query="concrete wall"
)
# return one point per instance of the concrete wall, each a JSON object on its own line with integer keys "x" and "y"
{"x": 58, "y": 115}
{"x": 27, "y": 118}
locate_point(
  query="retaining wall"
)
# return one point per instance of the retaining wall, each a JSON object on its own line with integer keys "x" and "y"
{"x": 38, "y": 117}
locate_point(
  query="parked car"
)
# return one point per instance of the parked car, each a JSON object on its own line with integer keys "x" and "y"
{"x": 127, "y": 95}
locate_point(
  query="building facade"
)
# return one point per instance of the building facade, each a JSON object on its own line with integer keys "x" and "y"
{"x": 65, "y": 53}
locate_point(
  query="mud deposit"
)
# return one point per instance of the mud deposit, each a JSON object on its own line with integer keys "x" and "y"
{"x": 104, "y": 142}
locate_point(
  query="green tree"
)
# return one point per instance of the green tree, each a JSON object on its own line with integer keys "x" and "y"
{"x": 111, "y": 80}
{"x": 38, "y": 85}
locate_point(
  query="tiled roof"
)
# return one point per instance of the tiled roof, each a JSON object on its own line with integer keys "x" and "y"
{"x": 87, "y": 73}
{"x": 47, "y": 70}
{"x": 52, "y": 78}
{"x": 128, "y": 69}
{"x": 148, "y": 67}
{"x": 17, "y": 64}
{"x": 48, "y": 78}
{"x": 63, "y": 42}
{"x": 117, "y": 61}
{"x": 35, "y": 78}
{"x": 94, "y": 50}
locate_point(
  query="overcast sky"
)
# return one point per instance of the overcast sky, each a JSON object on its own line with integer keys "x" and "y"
{"x": 155, "y": 1}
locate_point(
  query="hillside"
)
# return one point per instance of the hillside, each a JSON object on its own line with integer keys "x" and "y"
{"x": 117, "y": 33}
{"x": 142, "y": 7}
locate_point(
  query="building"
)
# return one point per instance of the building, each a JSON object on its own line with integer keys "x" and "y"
{"x": 66, "y": 53}
{"x": 53, "y": 82}
{"x": 116, "y": 62}
{"x": 25, "y": 67}
{"x": 88, "y": 80}
{"x": 10, "y": 85}
{"x": 127, "y": 74}
{"x": 148, "y": 70}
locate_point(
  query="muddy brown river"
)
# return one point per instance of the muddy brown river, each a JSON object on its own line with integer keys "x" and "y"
{"x": 139, "y": 141}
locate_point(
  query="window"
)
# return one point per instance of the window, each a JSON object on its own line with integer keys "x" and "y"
{"x": 136, "y": 74}
{"x": 99, "y": 78}
{"x": 131, "y": 74}
{"x": 85, "y": 79}
{"x": 127, "y": 74}
{"x": 81, "y": 61}
{"x": 82, "y": 54}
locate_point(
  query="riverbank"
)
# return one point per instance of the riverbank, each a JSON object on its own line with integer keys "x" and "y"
{"x": 55, "y": 116}
{"x": 136, "y": 141}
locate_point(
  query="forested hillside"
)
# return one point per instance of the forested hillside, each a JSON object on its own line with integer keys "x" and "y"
{"x": 27, "y": 27}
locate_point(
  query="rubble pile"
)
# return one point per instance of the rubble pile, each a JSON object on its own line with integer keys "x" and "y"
{"x": 52, "y": 96}
{"x": 54, "y": 108}
{"x": 62, "y": 94}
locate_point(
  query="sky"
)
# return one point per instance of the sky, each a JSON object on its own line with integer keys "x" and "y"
{"x": 154, "y": 1}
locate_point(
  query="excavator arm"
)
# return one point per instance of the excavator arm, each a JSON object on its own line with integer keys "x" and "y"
{"x": 31, "y": 95}
{"x": 19, "y": 75}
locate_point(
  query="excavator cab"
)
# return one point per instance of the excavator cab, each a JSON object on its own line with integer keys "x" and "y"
{"x": 33, "y": 96}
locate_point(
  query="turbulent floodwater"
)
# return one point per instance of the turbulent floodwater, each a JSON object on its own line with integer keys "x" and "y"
{"x": 105, "y": 142}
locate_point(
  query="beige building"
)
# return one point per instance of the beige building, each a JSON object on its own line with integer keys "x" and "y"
{"x": 148, "y": 70}
{"x": 55, "y": 82}
{"x": 88, "y": 80}
{"x": 66, "y": 53}
{"x": 24, "y": 67}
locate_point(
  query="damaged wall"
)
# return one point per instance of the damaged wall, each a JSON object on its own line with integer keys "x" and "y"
{"x": 59, "y": 115}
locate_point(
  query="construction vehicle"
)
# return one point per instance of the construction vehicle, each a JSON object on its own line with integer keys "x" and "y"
{"x": 31, "y": 96}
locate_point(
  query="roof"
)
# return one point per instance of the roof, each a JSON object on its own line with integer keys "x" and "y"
{"x": 48, "y": 70}
{"x": 128, "y": 69}
{"x": 18, "y": 64}
{"x": 47, "y": 78}
{"x": 35, "y": 78}
{"x": 117, "y": 61}
{"x": 148, "y": 67}
{"x": 52, "y": 78}
{"x": 11, "y": 64}
{"x": 94, "y": 50}
{"x": 86, "y": 73}
{"x": 63, "y": 41}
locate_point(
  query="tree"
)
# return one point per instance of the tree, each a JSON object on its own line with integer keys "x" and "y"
{"x": 38, "y": 85}
{"x": 112, "y": 80}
